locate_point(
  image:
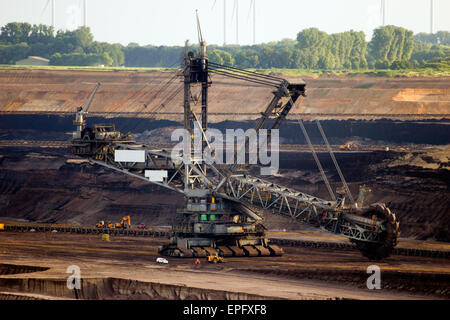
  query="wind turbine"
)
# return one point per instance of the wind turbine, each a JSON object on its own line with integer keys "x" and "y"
{"x": 431, "y": 16}
{"x": 85, "y": 13}
{"x": 53, "y": 11}
{"x": 253, "y": 6}
{"x": 383, "y": 12}
{"x": 224, "y": 20}
{"x": 236, "y": 9}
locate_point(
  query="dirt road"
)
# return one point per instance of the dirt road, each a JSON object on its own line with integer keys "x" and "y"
{"x": 126, "y": 268}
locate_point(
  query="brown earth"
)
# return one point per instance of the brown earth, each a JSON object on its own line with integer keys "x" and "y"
{"x": 41, "y": 185}
{"x": 363, "y": 97}
{"x": 125, "y": 268}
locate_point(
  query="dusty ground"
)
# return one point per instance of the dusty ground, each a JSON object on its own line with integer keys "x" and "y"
{"x": 125, "y": 268}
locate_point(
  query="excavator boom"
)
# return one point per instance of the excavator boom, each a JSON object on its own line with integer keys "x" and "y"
{"x": 223, "y": 209}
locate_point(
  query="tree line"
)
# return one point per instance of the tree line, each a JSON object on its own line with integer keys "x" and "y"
{"x": 390, "y": 47}
{"x": 20, "y": 40}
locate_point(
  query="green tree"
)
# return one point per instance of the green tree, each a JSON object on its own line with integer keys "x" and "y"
{"x": 440, "y": 37}
{"x": 15, "y": 32}
{"x": 283, "y": 58}
{"x": 9, "y": 54}
{"x": 80, "y": 59}
{"x": 400, "y": 64}
{"x": 221, "y": 57}
{"x": 443, "y": 37}
{"x": 427, "y": 51}
{"x": 382, "y": 64}
{"x": 114, "y": 51}
{"x": 246, "y": 58}
{"x": 311, "y": 38}
{"x": 41, "y": 34}
{"x": 391, "y": 43}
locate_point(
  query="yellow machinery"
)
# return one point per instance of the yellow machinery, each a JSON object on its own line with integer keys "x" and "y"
{"x": 102, "y": 224}
{"x": 2, "y": 227}
{"x": 105, "y": 237}
{"x": 124, "y": 224}
{"x": 351, "y": 145}
{"x": 214, "y": 258}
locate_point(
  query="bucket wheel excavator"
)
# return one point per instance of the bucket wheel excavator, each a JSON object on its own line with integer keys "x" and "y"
{"x": 224, "y": 207}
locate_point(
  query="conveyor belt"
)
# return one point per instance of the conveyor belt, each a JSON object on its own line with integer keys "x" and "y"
{"x": 86, "y": 230}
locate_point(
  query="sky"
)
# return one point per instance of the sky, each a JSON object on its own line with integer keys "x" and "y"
{"x": 171, "y": 22}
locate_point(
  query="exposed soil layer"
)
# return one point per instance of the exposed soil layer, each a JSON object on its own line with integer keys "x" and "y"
{"x": 43, "y": 187}
{"x": 64, "y": 91}
{"x": 14, "y": 269}
{"x": 37, "y": 184}
{"x": 380, "y": 132}
{"x": 425, "y": 283}
{"x": 116, "y": 288}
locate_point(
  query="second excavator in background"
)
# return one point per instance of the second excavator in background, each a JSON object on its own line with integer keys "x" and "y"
{"x": 125, "y": 223}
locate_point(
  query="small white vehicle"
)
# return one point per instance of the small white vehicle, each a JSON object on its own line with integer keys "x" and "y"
{"x": 161, "y": 260}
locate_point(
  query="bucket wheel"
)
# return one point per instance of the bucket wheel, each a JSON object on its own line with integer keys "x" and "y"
{"x": 388, "y": 238}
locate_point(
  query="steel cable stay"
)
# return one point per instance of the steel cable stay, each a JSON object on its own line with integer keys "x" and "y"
{"x": 112, "y": 113}
{"x": 344, "y": 183}
{"x": 158, "y": 84}
{"x": 245, "y": 78}
{"x": 246, "y": 75}
{"x": 319, "y": 165}
{"x": 163, "y": 87}
{"x": 255, "y": 74}
{"x": 167, "y": 98}
{"x": 152, "y": 82}
{"x": 330, "y": 151}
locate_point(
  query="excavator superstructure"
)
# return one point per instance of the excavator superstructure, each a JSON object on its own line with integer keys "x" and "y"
{"x": 224, "y": 206}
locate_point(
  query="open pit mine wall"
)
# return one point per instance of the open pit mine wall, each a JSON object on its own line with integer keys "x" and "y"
{"x": 112, "y": 288}
{"x": 56, "y": 127}
{"x": 45, "y": 101}
{"x": 229, "y": 99}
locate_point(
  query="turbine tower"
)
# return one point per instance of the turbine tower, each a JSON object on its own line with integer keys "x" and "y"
{"x": 383, "y": 12}
{"x": 85, "y": 13}
{"x": 53, "y": 14}
{"x": 253, "y": 6}
{"x": 254, "y": 21}
{"x": 431, "y": 16}
{"x": 237, "y": 21}
{"x": 53, "y": 11}
{"x": 224, "y": 22}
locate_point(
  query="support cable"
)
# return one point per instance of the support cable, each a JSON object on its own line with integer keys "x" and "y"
{"x": 163, "y": 86}
{"x": 255, "y": 74}
{"x": 243, "y": 77}
{"x": 152, "y": 114}
{"x": 322, "y": 172}
{"x": 344, "y": 183}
